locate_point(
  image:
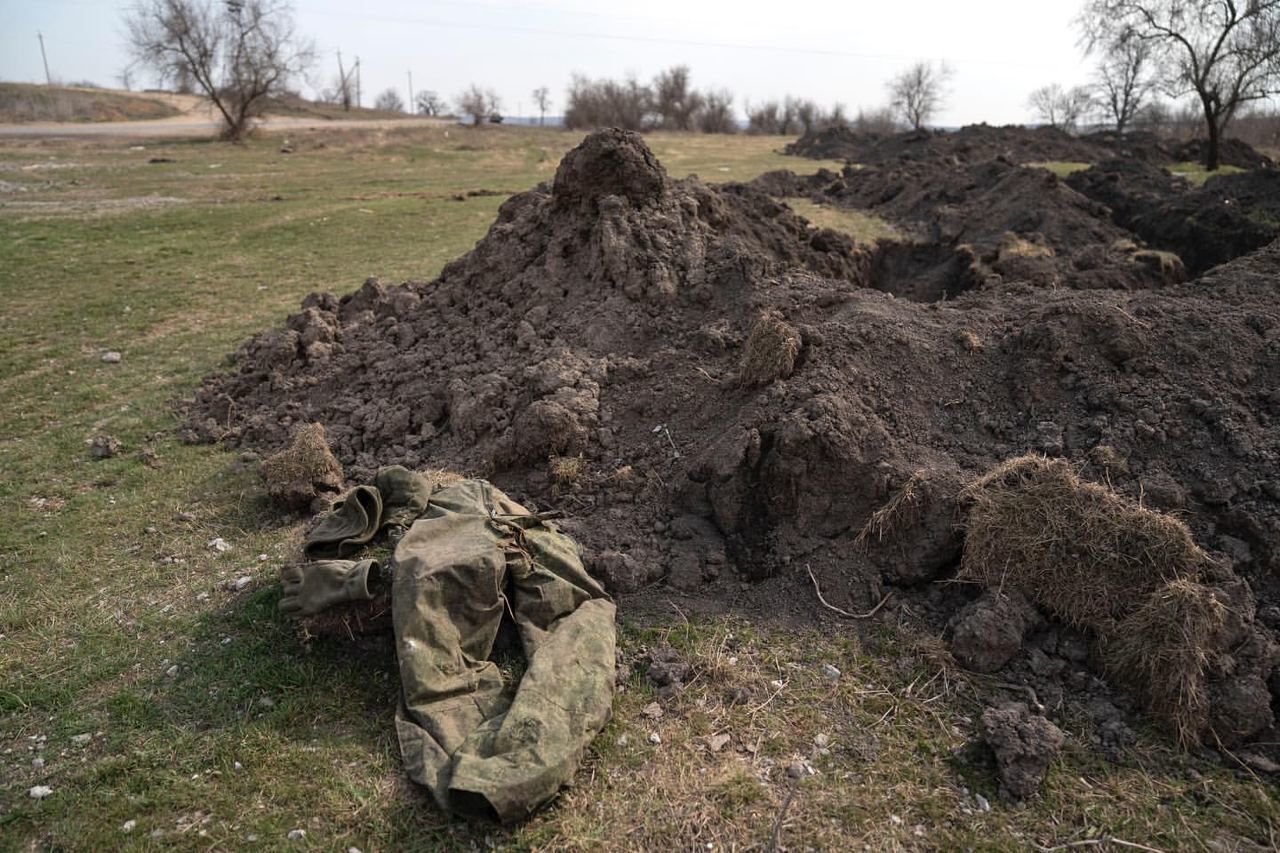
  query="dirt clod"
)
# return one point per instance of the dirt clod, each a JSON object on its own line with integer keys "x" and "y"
{"x": 1024, "y": 744}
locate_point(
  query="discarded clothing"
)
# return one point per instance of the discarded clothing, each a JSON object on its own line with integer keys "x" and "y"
{"x": 467, "y": 555}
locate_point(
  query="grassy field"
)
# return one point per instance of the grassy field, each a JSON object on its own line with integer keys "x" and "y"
{"x": 21, "y": 102}
{"x": 146, "y": 679}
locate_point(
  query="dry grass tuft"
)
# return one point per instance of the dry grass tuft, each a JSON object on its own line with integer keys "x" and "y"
{"x": 770, "y": 352}
{"x": 902, "y": 510}
{"x": 1169, "y": 265}
{"x": 565, "y": 471}
{"x": 1076, "y": 548}
{"x": 302, "y": 472}
{"x": 1092, "y": 559}
{"x": 1161, "y": 650}
{"x": 970, "y": 340}
{"x": 1013, "y": 246}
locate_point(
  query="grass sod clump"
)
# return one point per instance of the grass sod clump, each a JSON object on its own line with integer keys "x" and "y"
{"x": 770, "y": 352}
{"x": 256, "y": 733}
{"x": 1126, "y": 574}
{"x": 302, "y": 472}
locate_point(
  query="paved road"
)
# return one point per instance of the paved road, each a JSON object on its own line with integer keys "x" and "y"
{"x": 188, "y": 126}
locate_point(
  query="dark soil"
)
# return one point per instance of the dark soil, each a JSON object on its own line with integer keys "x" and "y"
{"x": 1015, "y": 143}
{"x": 1229, "y": 216}
{"x": 606, "y": 316}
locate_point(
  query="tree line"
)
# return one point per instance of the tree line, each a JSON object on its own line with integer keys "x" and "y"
{"x": 1224, "y": 55}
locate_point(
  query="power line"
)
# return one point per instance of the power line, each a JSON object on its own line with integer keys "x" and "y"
{"x": 727, "y": 45}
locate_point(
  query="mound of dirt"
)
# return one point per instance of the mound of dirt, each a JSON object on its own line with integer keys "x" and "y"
{"x": 607, "y": 318}
{"x": 978, "y": 142}
{"x": 971, "y": 143}
{"x": 1021, "y": 224}
{"x": 1231, "y": 215}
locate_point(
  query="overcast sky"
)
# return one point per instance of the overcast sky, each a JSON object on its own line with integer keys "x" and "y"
{"x": 829, "y": 50}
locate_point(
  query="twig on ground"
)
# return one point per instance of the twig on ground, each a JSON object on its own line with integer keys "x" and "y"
{"x": 845, "y": 613}
{"x": 777, "y": 823}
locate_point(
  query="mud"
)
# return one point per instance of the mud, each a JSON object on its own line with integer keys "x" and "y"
{"x": 606, "y": 317}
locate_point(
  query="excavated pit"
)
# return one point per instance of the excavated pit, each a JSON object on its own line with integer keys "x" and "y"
{"x": 922, "y": 272}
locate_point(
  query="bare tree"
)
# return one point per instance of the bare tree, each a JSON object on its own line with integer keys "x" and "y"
{"x": 1225, "y": 52}
{"x": 766, "y": 118}
{"x": 1059, "y": 107}
{"x": 428, "y": 103}
{"x": 238, "y": 54}
{"x": 542, "y": 97}
{"x": 1123, "y": 83}
{"x": 474, "y": 102}
{"x": 608, "y": 103}
{"x": 1152, "y": 116}
{"x": 838, "y": 117}
{"x": 493, "y": 106}
{"x": 809, "y": 114}
{"x": 673, "y": 100}
{"x": 716, "y": 113}
{"x": 879, "y": 121}
{"x": 918, "y": 93}
{"x": 389, "y": 100}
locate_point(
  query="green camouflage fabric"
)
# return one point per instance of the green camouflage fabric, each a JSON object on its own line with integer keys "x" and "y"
{"x": 470, "y": 556}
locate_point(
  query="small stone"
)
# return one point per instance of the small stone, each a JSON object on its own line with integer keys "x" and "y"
{"x": 241, "y": 583}
{"x": 829, "y": 671}
{"x": 111, "y": 357}
{"x": 267, "y": 702}
{"x": 39, "y": 792}
{"x": 150, "y": 531}
{"x": 297, "y": 834}
{"x": 798, "y": 770}
{"x": 821, "y": 740}
{"x": 984, "y": 805}
{"x": 354, "y": 850}
{"x": 218, "y": 544}
{"x": 184, "y": 516}
{"x": 895, "y": 820}
{"x": 37, "y": 763}
{"x": 104, "y": 446}
{"x": 622, "y": 740}
{"x": 655, "y": 738}
{"x": 653, "y": 711}
{"x": 717, "y": 742}
{"x": 777, "y": 684}
{"x": 81, "y": 739}
{"x": 128, "y": 826}
{"x": 237, "y": 766}
{"x": 172, "y": 672}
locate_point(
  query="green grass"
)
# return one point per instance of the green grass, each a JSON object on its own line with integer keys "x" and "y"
{"x": 1061, "y": 168}
{"x": 21, "y": 102}
{"x": 861, "y": 226}
{"x": 255, "y": 734}
{"x": 1197, "y": 174}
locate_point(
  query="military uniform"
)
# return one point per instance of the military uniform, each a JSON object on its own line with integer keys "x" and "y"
{"x": 466, "y": 556}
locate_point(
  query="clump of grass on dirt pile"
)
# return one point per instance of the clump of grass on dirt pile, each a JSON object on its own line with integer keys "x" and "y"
{"x": 770, "y": 352}
{"x": 1101, "y": 564}
{"x": 1162, "y": 650}
{"x": 303, "y": 471}
{"x": 1074, "y": 547}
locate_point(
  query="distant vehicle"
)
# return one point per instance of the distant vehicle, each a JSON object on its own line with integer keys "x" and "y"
{"x": 495, "y": 118}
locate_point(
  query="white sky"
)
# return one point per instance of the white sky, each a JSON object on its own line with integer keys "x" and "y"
{"x": 828, "y": 50}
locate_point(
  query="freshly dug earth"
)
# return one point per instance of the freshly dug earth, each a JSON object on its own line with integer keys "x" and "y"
{"x": 1230, "y": 215}
{"x": 1015, "y": 143}
{"x": 607, "y": 318}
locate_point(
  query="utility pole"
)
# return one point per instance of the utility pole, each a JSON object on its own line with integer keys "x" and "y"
{"x": 47, "y": 78}
{"x": 410, "y": 92}
{"x": 357, "y": 82}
